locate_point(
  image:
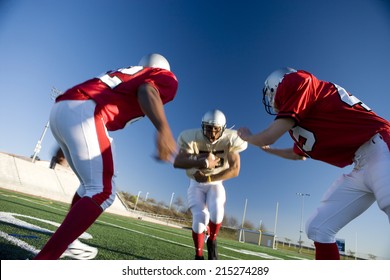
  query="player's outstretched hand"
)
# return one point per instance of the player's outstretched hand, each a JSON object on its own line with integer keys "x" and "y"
{"x": 166, "y": 146}
{"x": 244, "y": 133}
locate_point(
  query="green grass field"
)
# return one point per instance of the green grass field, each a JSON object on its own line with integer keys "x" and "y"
{"x": 116, "y": 237}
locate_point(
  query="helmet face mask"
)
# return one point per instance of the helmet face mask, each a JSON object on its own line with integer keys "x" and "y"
{"x": 155, "y": 60}
{"x": 270, "y": 86}
{"x": 268, "y": 100}
{"x": 213, "y": 125}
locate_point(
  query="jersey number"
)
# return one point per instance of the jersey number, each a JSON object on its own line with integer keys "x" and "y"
{"x": 114, "y": 81}
{"x": 350, "y": 99}
{"x": 306, "y": 138}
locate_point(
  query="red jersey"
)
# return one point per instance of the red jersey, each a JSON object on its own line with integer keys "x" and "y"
{"x": 115, "y": 92}
{"x": 330, "y": 123}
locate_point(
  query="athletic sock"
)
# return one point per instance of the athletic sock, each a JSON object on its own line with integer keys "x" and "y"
{"x": 214, "y": 229}
{"x": 198, "y": 243}
{"x": 76, "y": 198}
{"x": 80, "y": 217}
{"x": 327, "y": 251}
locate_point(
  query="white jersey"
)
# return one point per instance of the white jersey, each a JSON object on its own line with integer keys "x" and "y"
{"x": 194, "y": 142}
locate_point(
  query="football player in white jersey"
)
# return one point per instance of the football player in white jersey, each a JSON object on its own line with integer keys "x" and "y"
{"x": 210, "y": 155}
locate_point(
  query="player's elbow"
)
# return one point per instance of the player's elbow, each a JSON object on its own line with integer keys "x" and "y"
{"x": 176, "y": 164}
{"x": 235, "y": 170}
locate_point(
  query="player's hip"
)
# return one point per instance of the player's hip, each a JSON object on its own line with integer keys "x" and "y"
{"x": 374, "y": 150}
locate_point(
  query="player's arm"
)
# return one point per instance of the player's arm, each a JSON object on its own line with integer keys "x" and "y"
{"x": 284, "y": 153}
{"x": 269, "y": 135}
{"x": 152, "y": 106}
{"x": 231, "y": 172}
{"x": 185, "y": 160}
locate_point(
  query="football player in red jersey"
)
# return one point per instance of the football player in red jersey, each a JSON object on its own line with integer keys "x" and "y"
{"x": 80, "y": 120}
{"x": 331, "y": 125}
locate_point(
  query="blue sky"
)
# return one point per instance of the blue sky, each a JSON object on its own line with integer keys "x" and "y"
{"x": 221, "y": 52}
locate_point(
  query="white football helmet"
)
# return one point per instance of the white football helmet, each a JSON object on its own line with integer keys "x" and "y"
{"x": 270, "y": 86}
{"x": 155, "y": 60}
{"x": 214, "y": 118}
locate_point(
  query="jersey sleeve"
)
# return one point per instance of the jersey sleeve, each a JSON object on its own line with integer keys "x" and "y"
{"x": 184, "y": 141}
{"x": 164, "y": 82}
{"x": 295, "y": 96}
{"x": 237, "y": 144}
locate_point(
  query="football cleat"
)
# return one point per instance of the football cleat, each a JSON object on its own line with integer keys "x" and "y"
{"x": 199, "y": 258}
{"x": 212, "y": 249}
{"x": 80, "y": 251}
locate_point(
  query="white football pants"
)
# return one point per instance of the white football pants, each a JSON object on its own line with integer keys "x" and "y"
{"x": 87, "y": 147}
{"x": 206, "y": 202}
{"x": 354, "y": 193}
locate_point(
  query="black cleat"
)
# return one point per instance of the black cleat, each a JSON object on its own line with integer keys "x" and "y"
{"x": 212, "y": 249}
{"x": 199, "y": 258}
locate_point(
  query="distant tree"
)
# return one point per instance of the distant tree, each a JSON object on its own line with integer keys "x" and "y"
{"x": 230, "y": 221}
{"x": 162, "y": 204}
{"x": 178, "y": 203}
{"x": 151, "y": 200}
{"x": 372, "y": 257}
{"x": 249, "y": 225}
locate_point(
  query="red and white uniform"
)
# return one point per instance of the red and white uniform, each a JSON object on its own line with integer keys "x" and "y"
{"x": 82, "y": 116}
{"x": 115, "y": 93}
{"x": 335, "y": 127}
{"x": 79, "y": 121}
{"x": 331, "y": 123}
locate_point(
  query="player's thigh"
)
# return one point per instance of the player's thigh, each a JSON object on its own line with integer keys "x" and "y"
{"x": 196, "y": 197}
{"x": 378, "y": 173}
{"x": 345, "y": 200}
{"x": 216, "y": 199}
{"x": 83, "y": 133}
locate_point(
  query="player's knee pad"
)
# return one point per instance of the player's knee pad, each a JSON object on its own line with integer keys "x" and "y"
{"x": 103, "y": 198}
{"x": 319, "y": 232}
{"x": 108, "y": 202}
{"x": 217, "y": 216}
{"x": 199, "y": 221}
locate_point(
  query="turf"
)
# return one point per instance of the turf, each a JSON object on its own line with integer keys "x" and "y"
{"x": 116, "y": 237}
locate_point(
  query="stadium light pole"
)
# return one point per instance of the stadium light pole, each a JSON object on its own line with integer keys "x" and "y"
{"x": 38, "y": 146}
{"x": 136, "y": 201}
{"x": 243, "y": 216}
{"x": 146, "y": 196}
{"x": 170, "y": 203}
{"x": 54, "y": 93}
{"x": 276, "y": 222}
{"x": 300, "y": 227}
{"x": 242, "y": 232}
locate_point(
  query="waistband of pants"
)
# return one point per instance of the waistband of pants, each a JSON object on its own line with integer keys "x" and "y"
{"x": 367, "y": 149}
{"x": 73, "y": 95}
